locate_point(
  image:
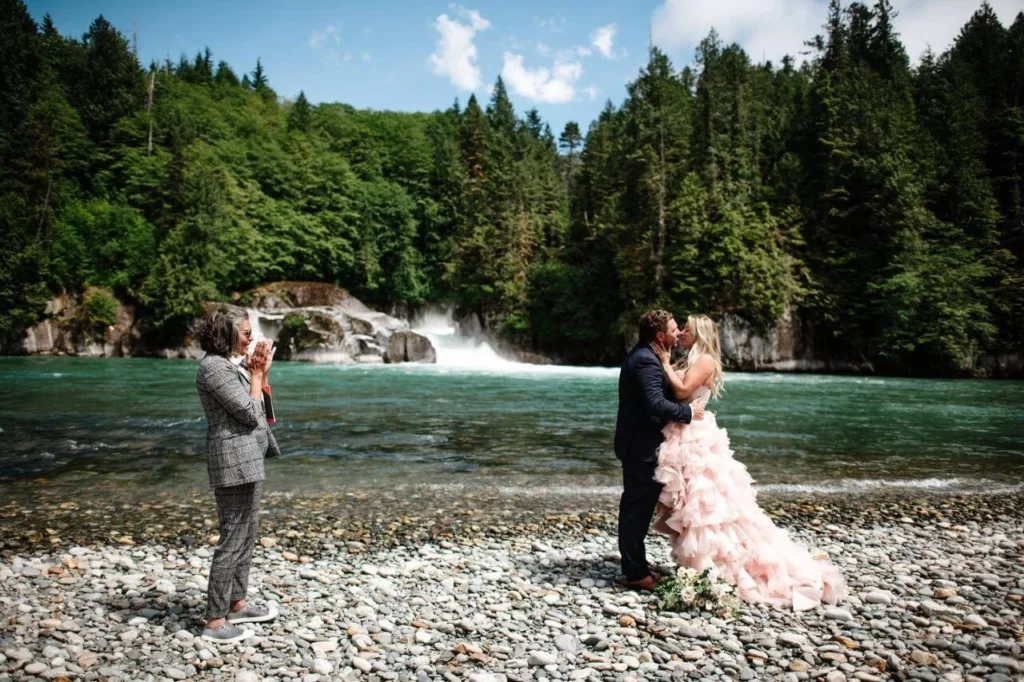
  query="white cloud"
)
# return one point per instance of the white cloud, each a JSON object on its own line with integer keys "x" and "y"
{"x": 603, "y": 39}
{"x": 554, "y": 24}
{"x": 767, "y": 29}
{"x": 366, "y": 56}
{"x": 556, "y": 85}
{"x": 563, "y": 54}
{"x": 326, "y": 42}
{"x": 455, "y": 55}
{"x": 770, "y": 29}
{"x": 331, "y": 34}
{"x": 591, "y": 91}
{"x": 937, "y": 24}
{"x": 510, "y": 42}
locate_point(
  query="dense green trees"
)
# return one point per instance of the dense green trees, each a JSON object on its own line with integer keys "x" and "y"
{"x": 880, "y": 201}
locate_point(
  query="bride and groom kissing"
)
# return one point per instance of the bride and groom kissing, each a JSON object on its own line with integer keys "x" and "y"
{"x": 677, "y": 466}
{"x": 676, "y": 461}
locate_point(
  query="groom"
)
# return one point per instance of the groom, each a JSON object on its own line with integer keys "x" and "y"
{"x": 646, "y": 405}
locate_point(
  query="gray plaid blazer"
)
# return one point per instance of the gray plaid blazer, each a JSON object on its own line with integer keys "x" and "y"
{"x": 238, "y": 437}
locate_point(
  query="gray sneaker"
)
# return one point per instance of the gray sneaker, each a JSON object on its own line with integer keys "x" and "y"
{"x": 226, "y": 634}
{"x": 252, "y": 614}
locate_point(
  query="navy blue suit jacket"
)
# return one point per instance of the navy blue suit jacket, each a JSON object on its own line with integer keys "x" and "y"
{"x": 646, "y": 405}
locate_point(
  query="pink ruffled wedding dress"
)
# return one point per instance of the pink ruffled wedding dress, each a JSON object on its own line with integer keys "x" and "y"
{"x": 708, "y": 508}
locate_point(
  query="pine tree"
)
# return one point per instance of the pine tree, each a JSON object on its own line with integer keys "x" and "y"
{"x": 259, "y": 77}
{"x": 656, "y": 148}
{"x": 445, "y": 212}
{"x": 202, "y": 68}
{"x": 300, "y": 116}
{"x": 570, "y": 140}
{"x": 500, "y": 113}
{"x": 534, "y": 123}
{"x": 22, "y": 292}
{"x": 502, "y": 157}
{"x": 108, "y": 84}
{"x": 225, "y": 75}
{"x": 473, "y": 272}
{"x": 22, "y": 59}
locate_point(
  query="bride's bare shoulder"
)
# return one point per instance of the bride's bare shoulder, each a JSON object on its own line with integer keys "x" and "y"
{"x": 703, "y": 360}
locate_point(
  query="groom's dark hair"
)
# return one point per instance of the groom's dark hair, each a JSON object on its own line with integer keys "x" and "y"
{"x": 652, "y": 322}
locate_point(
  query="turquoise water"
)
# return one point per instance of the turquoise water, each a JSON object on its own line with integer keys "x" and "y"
{"x": 74, "y": 421}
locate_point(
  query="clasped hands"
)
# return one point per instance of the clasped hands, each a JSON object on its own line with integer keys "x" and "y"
{"x": 261, "y": 358}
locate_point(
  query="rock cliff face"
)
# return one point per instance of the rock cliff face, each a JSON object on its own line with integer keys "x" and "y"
{"x": 310, "y": 321}
{"x": 68, "y": 330}
{"x": 788, "y": 347}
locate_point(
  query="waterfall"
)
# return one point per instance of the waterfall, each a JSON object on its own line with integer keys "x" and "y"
{"x": 458, "y": 351}
{"x": 264, "y": 325}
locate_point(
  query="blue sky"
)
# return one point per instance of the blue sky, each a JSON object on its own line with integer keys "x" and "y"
{"x": 565, "y": 58}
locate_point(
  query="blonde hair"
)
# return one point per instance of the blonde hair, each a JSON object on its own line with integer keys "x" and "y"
{"x": 705, "y": 342}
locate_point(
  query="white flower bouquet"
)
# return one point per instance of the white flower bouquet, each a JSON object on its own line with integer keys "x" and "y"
{"x": 703, "y": 591}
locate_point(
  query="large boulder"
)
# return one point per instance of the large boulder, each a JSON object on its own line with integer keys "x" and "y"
{"x": 324, "y": 323}
{"x": 407, "y": 346}
{"x": 310, "y": 334}
{"x": 289, "y": 295}
{"x": 361, "y": 326}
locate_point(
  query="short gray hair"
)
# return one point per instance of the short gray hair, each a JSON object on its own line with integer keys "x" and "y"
{"x": 219, "y": 330}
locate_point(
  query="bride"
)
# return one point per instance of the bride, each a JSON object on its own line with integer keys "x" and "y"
{"x": 708, "y": 506}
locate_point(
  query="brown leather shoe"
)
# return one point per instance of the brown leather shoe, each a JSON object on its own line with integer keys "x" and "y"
{"x": 645, "y": 584}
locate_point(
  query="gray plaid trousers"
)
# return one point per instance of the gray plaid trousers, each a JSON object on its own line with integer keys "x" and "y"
{"x": 238, "y": 509}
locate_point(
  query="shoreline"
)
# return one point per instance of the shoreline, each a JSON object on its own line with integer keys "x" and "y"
{"x": 789, "y": 368}
{"x": 424, "y": 584}
{"x": 424, "y": 512}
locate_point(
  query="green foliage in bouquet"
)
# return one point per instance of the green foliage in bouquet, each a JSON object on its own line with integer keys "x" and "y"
{"x": 704, "y": 591}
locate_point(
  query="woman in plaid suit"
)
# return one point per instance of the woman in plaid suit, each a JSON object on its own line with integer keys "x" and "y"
{"x": 238, "y": 439}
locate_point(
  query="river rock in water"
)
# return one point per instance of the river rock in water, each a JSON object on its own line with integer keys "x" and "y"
{"x": 408, "y": 346}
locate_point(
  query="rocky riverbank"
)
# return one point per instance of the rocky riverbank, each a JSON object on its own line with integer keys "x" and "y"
{"x": 311, "y": 321}
{"x": 425, "y": 583}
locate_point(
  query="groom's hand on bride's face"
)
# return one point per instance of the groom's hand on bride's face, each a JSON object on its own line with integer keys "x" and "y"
{"x": 663, "y": 353}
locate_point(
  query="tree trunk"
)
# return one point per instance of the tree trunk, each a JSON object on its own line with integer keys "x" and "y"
{"x": 659, "y": 252}
{"x": 149, "y": 111}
